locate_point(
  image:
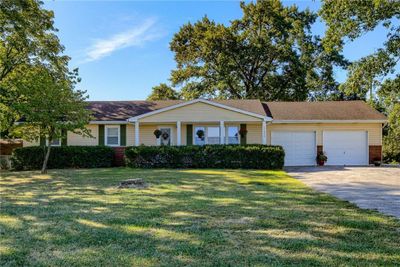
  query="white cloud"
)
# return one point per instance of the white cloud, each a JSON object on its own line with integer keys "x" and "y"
{"x": 136, "y": 36}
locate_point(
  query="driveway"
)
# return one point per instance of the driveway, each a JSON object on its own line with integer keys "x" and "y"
{"x": 368, "y": 187}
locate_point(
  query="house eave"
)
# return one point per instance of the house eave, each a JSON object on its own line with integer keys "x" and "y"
{"x": 109, "y": 122}
{"x": 329, "y": 121}
{"x": 136, "y": 118}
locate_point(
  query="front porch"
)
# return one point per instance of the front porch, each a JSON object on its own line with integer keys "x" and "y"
{"x": 199, "y": 133}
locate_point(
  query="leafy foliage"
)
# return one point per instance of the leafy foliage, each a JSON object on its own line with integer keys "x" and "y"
{"x": 50, "y": 106}
{"x": 27, "y": 37}
{"x": 268, "y": 54}
{"x": 209, "y": 156}
{"x": 31, "y": 158}
{"x": 376, "y": 75}
{"x": 163, "y": 92}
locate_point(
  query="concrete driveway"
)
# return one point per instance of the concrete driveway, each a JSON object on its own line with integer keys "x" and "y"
{"x": 368, "y": 187}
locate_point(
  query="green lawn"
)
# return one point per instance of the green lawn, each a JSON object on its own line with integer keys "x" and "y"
{"x": 186, "y": 217}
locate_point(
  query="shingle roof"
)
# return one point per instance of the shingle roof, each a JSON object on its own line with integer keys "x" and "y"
{"x": 123, "y": 110}
{"x": 323, "y": 110}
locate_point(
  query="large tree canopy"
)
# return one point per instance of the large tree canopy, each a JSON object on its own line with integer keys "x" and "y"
{"x": 375, "y": 76}
{"x": 27, "y": 39}
{"x": 347, "y": 20}
{"x": 163, "y": 92}
{"x": 268, "y": 54}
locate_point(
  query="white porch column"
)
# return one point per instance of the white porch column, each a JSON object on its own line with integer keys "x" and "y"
{"x": 137, "y": 138}
{"x": 264, "y": 132}
{"x": 221, "y": 132}
{"x": 178, "y": 133}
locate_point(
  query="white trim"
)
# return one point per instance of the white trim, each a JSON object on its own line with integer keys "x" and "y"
{"x": 221, "y": 133}
{"x": 264, "y": 133}
{"x": 108, "y": 122}
{"x": 178, "y": 133}
{"x": 132, "y": 119}
{"x": 137, "y": 133}
{"x": 329, "y": 121}
{"x": 106, "y": 135}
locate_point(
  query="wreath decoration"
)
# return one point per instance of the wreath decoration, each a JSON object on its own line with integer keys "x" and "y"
{"x": 200, "y": 134}
{"x": 165, "y": 135}
{"x": 157, "y": 133}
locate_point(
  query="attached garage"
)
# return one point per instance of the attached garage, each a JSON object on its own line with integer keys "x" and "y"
{"x": 346, "y": 147}
{"x": 300, "y": 147}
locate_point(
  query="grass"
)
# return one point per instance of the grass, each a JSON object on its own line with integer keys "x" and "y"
{"x": 186, "y": 217}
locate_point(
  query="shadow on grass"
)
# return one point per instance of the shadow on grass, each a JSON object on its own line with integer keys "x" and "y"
{"x": 186, "y": 217}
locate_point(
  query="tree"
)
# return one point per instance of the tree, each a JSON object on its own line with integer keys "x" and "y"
{"x": 50, "y": 107}
{"x": 27, "y": 39}
{"x": 346, "y": 21}
{"x": 268, "y": 54}
{"x": 389, "y": 94}
{"x": 374, "y": 76}
{"x": 163, "y": 92}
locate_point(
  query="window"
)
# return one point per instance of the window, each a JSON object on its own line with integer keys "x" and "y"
{"x": 56, "y": 142}
{"x": 232, "y": 134}
{"x": 165, "y": 138}
{"x": 199, "y": 131}
{"x": 212, "y": 135}
{"x": 206, "y": 135}
{"x": 112, "y": 135}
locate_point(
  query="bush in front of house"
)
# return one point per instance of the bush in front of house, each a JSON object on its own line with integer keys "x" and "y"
{"x": 31, "y": 158}
{"x": 208, "y": 156}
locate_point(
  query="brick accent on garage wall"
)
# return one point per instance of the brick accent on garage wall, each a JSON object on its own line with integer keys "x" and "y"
{"x": 375, "y": 153}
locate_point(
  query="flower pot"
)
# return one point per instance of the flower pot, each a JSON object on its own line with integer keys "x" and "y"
{"x": 321, "y": 163}
{"x": 377, "y": 163}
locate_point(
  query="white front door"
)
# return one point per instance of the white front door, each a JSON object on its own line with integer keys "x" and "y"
{"x": 346, "y": 147}
{"x": 300, "y": 147}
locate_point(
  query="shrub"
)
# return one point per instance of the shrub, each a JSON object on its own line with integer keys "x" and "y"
{"x": 4, "y": 162}
{"x": 31, "y": 158}
{"x": 208, "y": 156}
{"x": 391, "y": 150}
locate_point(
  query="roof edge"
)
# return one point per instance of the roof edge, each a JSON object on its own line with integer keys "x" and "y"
{"x": 329, "y": 121}
{"x": 136, "y": 118}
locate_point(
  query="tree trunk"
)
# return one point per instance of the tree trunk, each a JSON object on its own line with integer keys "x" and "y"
{"x": 46, "y": 159}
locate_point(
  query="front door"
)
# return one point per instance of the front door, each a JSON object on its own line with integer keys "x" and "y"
{"x": 165, "y": 138}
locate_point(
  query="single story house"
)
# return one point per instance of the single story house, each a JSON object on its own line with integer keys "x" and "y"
{"x": 349, "y": 132}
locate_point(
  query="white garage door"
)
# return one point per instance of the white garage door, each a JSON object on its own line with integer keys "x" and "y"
{"x": 346, "y": 147}
{"x": 300, "y": 148}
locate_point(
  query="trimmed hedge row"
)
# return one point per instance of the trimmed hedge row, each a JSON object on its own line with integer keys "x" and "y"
{"x": 31, "y": 158}
{"x": 208, "y": 156}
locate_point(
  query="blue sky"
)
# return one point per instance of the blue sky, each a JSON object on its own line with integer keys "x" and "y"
{"x": 122, "y": 48}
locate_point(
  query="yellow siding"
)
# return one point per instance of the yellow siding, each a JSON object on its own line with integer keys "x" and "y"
{"x": 374, "y": 129}
{"x": 146, "y": 133}
{"x": 183, "y": 134}
{"x": 78, "y": 140}
{"x": 27, "y": 143}
{"x": 130, "y": 135}
{"x": 198, "y": 112}
{"x": 253, "y": 135}
{"x": 254, "y": 132}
